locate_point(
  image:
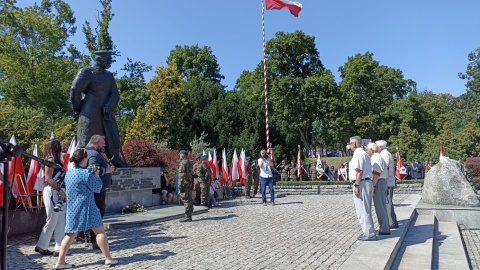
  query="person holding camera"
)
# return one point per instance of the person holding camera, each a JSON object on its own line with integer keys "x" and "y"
{"x": 82, "y": 213}
{"x": 95, "y": 149}
{"x": 54, "y": 199}
{"x": 266, "y": 177}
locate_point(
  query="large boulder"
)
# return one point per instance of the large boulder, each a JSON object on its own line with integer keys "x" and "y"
{"x": 445, "y": 184}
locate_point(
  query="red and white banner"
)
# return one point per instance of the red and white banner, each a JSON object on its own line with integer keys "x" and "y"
{"x": 243, "y": 169}
{"x": 294, "y": 7}
{"x": 15, "y": 173}
{"x": 73, "y": 146}
{"x": 400, "y": 170}
{"x": 224, "y": 167}
{"x": 442, "y": 153}
{"x": 234, "y": 170}
{"x": 215, "y": 164}
{"x": 33, "y": 172}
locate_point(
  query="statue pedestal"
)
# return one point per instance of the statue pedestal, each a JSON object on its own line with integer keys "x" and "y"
{"x": 133, "y": 185}
{"x": 467, "y": 217}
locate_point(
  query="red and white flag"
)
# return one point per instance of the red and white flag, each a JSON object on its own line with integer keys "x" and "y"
{"x": 33, "y": 172}
{"x": 442, "y": 153}
{"x": 243, "y": 169}
{"x": 66, "y": 163}
{"x": 215, "y": 164}
{"x": 292, "y": 6}
{"x": 400, "y": 170}
{"x": 16, "y": 170}
{"x": 234, "y": 170}
{"x": 52, "y": 136}
{"x": 224, "y": 167}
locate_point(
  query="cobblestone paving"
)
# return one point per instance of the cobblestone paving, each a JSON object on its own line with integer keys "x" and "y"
{"x": 472, "y": 243}
{"x": 300, "y": 232}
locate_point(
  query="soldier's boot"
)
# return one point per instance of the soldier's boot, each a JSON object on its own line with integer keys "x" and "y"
{"x": 186, "y": 219}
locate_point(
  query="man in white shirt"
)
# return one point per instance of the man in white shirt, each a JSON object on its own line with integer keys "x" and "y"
{"x": 360, "y": 174}
{"x": 380, "y": 175}
{"x": 387, "y": 157}
{"x": 266, "y": 177}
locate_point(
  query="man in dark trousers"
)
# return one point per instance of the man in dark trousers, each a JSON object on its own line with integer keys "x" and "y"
{"x": 95, "y": 148}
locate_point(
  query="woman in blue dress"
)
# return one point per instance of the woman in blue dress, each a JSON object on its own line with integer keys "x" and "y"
{"x": 82, "y": 213}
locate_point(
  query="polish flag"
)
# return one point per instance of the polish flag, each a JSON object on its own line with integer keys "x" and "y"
{"x": 242, "y": 169}
{"x": 293, "y": 7}
{"x": 204, "y": 154}
{"x": 40, "y": 181}
{"x": 400, "y": 170}
{"x": 234, "y": 170}
{"x": 442, "y": 153}
{"x": 66, "y": 163}
{"x": 215, "y": 164}
{"x": 224, "y": 167}
{"x": 33, "y": 172}
{"x": 52, "y": 136}
{"x": 16, "y": 171}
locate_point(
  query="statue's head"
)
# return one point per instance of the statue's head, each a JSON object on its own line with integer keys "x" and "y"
{"x": 103, "y": 58}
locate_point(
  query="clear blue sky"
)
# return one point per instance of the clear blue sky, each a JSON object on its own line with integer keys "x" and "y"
{"x": 428, "y": 40}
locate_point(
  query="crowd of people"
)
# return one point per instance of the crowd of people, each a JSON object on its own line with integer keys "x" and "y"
{"x": 75, "y": 200}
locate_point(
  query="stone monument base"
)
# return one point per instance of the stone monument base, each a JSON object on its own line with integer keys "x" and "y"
{"x": 467, "y": 217}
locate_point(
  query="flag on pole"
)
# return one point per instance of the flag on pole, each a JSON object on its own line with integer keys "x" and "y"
{"x": 293, "y": 7}
{"x": 243, "y": 169}
{"x": 215, "y": 164}
{"x": 16, "y": 170}
{"x": 442, "y": 153}
{"x": 299, "y": 166}
{"x": 66, "y": 163}
{"x": 234, "y": 170}
{"x": 204, "y": 154}
{"x": 33, "y": 172}
{"x": 224, "y": 167}
{"x": 400, "y": 170}
{"x": 52, "y": 136}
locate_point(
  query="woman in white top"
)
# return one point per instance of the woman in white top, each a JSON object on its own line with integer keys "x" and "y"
{"x": 266, "y": 177}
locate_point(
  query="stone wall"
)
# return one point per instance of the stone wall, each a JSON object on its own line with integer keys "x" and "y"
{"x": 341, "y": 189}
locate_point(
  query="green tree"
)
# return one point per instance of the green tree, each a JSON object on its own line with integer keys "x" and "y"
{"x": 162, "y": 120}
{"x": 195, "y": 61}
{"x": 133, "y": 94}
{"x": 100, "y": 39}
{"x": 36, "y": 66}
{"x": 367, "y": 90}
{"x": 472, "y": 75}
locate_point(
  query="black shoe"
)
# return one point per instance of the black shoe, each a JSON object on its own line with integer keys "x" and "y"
{"x": 44, "y": 252}
{"x": 186, "y": 219}
{"x": 248, "y": 197}
{"x": 383, "y": 233}
{"x": 94, "y": 246}
{"x": 394, "y": 226}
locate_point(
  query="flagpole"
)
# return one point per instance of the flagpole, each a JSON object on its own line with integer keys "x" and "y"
{"x": 265, "y": 76}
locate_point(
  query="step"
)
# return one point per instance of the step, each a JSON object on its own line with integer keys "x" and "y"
{"x": 381, "y": 253}
{"x": 449, "y": 247}
{"x": 417, "y": 247}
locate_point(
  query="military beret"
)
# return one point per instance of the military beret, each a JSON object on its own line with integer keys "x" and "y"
{"x": 415, "y": 157}
{"x": 460, "y": 158}
{"x": 247, "y": 158}
{"x": 204, "y": 157}
{"x": 198, "y": 157}
{"x": 185, "y": 152}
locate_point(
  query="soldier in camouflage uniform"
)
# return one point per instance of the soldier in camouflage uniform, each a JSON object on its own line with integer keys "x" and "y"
{"x": 293, "y": 174}
{"x": 248, "y": 185}
{"x": 207, "y": 180}
{"x": 313, "y": 171}
{"x": 185, "y": 185}
{"x": 284, "y": 167}
{"x": 201, "y": 180}
{"x": 256, "y": 176}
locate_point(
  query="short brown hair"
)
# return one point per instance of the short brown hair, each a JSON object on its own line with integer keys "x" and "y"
{"x": 96, "y": 138}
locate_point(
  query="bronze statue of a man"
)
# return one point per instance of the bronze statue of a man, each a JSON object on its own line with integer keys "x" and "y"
{"x": 94, "y": 95}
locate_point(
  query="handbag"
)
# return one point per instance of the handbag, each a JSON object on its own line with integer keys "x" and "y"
{"x": 215, "y": 194}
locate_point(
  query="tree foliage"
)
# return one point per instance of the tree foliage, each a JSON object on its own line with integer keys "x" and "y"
{"x": 36, "y": 66}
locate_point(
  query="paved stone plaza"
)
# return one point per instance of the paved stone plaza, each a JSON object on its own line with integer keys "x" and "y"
{"x": 299, "y": 232}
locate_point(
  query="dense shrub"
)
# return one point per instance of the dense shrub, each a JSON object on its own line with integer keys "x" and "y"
{"x": 141, "y": 153}
{"x": 473, "y": 164}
